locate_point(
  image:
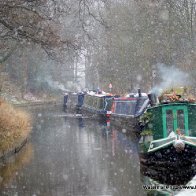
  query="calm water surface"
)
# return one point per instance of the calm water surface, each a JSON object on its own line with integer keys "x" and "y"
{"x": 74, "y": 157}
{"x": 71, "y": 156}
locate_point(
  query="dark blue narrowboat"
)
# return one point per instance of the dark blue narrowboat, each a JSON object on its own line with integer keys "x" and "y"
{"x": 98, "y": 104}
{"x": 74, "y": 101}
{"x": 126, "y": 110}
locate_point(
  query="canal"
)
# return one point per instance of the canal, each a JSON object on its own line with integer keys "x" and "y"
{"x": 73, "y": 156}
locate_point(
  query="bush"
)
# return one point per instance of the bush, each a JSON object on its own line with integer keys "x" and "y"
{"x": 14, "y": 126}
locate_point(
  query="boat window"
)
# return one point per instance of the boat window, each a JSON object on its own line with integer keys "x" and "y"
{"x": 169, "y": 121}
{"x": 95, "y": 102}
{"x": 131, "y": 107}
{"x": 125, "y": 107}
{"x": 118, "y": 107}
{"x": 101, "y": 103}
{"x": 121, "y": 108}
{"x": 88, "y": 101}
{"x": 180, "y": 119}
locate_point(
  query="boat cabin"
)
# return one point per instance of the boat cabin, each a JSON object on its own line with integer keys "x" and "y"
{"x": 129, "y": 106}
{"x": 167, "y": 118}
{"x": 98, "y": 103}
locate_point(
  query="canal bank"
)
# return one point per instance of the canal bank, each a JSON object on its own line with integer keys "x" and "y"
{"x": 15, "y": 127}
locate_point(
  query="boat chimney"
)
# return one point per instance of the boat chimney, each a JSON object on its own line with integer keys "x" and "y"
{"x": 139, "y": 92}
{"x": 153, "y": 99}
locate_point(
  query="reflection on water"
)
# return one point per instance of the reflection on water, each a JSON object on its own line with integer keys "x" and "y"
{"x": 10, "y": 169}
{"x": 75, "y": 156}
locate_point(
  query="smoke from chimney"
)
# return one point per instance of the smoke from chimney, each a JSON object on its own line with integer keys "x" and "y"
{"x": 170, "y": 77}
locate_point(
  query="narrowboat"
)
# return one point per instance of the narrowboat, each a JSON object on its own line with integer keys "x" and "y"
{"x": 162, "y": 173}
{"x": 98, "y": 104}
{"x": 169, "y": 129}
{"x": 73, "y": 101}
{"x": 126, "y": 110}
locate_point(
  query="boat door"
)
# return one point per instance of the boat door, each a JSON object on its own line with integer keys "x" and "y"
{"x": 174, "y": 117}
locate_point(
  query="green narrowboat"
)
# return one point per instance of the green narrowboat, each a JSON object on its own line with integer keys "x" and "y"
{"x": 169, "y": 127}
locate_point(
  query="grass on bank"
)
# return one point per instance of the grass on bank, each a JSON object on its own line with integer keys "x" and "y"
{"x": 14, "y": 126}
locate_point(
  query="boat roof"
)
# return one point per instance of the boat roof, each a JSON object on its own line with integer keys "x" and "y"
{"x": 91, "y": 93}
{"x": 129, "y": 98}
{"x": 125, "y": 99}
{"x": 172, "y": 104}
{"x": 136, "y": 95}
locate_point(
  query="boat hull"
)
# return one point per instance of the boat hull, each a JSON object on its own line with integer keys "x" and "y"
{"x": 124, "y": 120}
{"x": 168, "y": 156}
{"x": 167, "y": 174}
{"x": 92, "y": 113}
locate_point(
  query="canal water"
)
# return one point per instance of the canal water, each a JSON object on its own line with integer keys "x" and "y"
{"x": 72, "y": 156}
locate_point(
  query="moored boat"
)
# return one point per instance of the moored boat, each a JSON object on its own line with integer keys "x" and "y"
{"x": 98, "y": 104}
{"x": 73, "y": 101}
{"x": 126, "y": 110}
{"x": 169, "y": 129}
